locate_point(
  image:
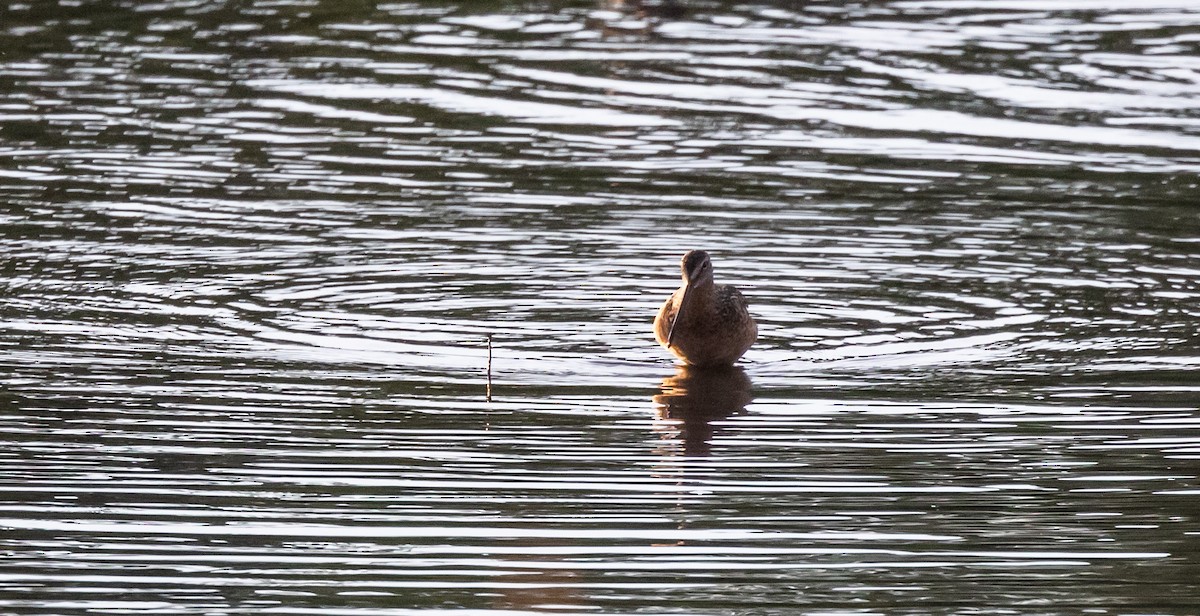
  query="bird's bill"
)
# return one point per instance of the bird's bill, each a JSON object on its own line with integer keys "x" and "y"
{"x": 683, "y": 303}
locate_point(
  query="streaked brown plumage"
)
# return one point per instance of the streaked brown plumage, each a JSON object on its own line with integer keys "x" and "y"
{"x": 703, "y": 323}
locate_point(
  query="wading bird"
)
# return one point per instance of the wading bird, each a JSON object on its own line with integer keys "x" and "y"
{"x": 703, "y": 323}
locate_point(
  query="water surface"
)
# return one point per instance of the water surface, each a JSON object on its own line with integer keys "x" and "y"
{"x": 252, "y": 255}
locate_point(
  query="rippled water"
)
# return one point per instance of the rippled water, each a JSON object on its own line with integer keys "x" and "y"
{"x": 252, "y": 253}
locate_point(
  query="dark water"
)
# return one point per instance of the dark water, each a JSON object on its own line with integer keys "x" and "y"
{"x": 252, "y": 252}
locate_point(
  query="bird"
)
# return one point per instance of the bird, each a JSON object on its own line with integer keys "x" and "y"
{"x": 703, "y": 323}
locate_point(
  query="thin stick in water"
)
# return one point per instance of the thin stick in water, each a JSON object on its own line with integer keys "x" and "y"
{"x": 489, "y": 369}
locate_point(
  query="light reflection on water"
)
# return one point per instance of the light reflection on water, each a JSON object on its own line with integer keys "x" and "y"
{"x": 252, "y": 255}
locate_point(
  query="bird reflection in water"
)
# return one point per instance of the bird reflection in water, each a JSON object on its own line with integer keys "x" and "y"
{"x": 693, "y": 398}
{"x": 663, "y": 9}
